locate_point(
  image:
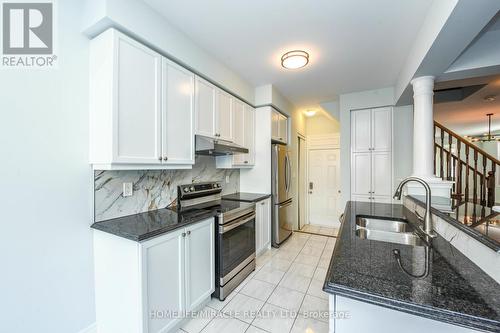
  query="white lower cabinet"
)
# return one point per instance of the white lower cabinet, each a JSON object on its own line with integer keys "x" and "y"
{"x": 262, "y": 225}
{"x": 146, "y": 286}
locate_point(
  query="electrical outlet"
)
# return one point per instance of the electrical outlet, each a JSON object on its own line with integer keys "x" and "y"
{"x": 227, "y": 179}
{"x": 128, "y": 189}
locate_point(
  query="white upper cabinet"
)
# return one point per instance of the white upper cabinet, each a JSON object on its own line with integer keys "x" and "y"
{"x": 224, "y": 116}
{"x": 239, "y": 122}
{"x": 381, "y": 129}
{"x": 214, "y": 111}
{"x": 244, "y": 135}
{"x": 361, "y": 131}
{"x": 205, "y": 107}
{"x": 134, "y": 102}
{"x": 178, "y": 114}
{"x": 125, "y": 106}
{"x": 371, "y": 130}
{"x": 249, "y": 143}
{"x": 279, "y": 127}
{"x": 283, "y": 128}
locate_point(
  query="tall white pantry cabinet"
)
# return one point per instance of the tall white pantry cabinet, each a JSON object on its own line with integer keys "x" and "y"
{"x": 371, "y": 155}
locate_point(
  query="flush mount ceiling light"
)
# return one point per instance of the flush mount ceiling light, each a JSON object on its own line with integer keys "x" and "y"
{"x": 295, "y": 59}
{"x": 310, "y": 113}
{"x": 490, "y": 98}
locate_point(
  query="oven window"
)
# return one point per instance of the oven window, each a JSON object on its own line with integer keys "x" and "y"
{"x": 237, "y": 245}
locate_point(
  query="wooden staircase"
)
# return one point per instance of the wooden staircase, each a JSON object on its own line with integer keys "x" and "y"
{"x": 471, "y": 168}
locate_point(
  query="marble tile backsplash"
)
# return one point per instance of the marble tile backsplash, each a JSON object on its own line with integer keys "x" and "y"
{"x": 153, "y": 189}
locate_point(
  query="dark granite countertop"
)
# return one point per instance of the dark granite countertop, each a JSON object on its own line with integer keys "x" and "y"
{"x": 246, "y": 197}
{"x": 474, "y": 233}
{"x": 139, "y": 227}
{"x": 455, "y": 291}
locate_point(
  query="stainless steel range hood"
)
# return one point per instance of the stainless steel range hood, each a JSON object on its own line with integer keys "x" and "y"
{"x": 212, "y": 147}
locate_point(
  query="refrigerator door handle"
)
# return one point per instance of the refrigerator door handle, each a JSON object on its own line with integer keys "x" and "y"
{"x": 286, "y": 172}
{"x": 289, "y": 172}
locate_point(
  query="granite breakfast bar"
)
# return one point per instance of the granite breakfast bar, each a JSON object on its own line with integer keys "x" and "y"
{"x": 433, "y": 287}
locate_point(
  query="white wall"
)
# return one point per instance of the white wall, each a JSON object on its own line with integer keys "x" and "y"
{"x": 349, "y": 102}
{"x": 403, "y": 143}
{"x": 46, "y": 248}
{"x": 137, "y": 19}
{"x": 321, "y": 124}
{"x": 258, "y": 178}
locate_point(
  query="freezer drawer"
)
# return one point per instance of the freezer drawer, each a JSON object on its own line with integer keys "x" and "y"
{"x": 282, "y": 222}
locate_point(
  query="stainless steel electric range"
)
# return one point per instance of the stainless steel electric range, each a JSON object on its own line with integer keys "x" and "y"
{"x": 234, "y": 234}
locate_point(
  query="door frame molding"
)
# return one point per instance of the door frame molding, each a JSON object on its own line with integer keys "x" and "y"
{"x": 302, "y": 196}
{"x": 320, "y": 142}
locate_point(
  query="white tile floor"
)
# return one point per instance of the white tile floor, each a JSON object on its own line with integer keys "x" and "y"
{"x": 284, "y": 294}
{"x": 318, "y": 229}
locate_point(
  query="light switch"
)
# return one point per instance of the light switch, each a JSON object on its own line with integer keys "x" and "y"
{"x": 227, "y": 179}
{"x": 128, "y": 189}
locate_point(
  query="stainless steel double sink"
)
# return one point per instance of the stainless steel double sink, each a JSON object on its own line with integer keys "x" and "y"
{"x": 387, "y": 230}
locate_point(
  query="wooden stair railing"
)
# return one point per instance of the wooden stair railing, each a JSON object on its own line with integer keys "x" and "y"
{"x": 471, "y": 168}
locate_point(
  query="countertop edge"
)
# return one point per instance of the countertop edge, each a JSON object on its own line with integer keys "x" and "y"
{"x": 447, "y": 316}
{"x": 260, "y": 197}
{"x": 437, "y": 314}
{"x": 149, "y": 235}
{"x": 495, "y": 246}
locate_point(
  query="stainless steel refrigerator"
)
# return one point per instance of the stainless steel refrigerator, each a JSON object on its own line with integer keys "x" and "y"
{"x": 281, "y": 186}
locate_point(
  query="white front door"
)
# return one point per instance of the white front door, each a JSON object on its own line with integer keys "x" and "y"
{"x": 324, "y": 187}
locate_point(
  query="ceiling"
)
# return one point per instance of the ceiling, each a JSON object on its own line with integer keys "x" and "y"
{"x": 468, "y": 116}
{"x": 354, "y": 45}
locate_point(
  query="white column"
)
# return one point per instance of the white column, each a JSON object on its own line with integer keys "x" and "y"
{"x": 423, "y": 144}
{"x": 423, "y": 127}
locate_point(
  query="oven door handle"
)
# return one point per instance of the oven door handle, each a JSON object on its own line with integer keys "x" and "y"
{"x": 237, "y": 223}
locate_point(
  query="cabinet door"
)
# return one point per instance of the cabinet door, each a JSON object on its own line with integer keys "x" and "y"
{"x": 361, "y": 131}
{"x": 249, "y": 159}
{"x": 137, "y": 109}
{"x": 381, "y": 174}
{"x": 163, "y": 286}
{"x": 239, "y": 129}
{"x": 361, "y": 174}
{"x": 224, "y": 116}
{"x": 204, "y": 107}
{"x": 200, "y": 263}
{"x": 177, "y": 115}
{"x": 381, "y": 129}
{"x": 275, "y": 123}
{"x": 265, "y": 209}
{"x": 283, "y": 128}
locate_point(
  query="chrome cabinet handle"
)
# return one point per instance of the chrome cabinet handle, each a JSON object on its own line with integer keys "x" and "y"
{"x": 160, "y": 158}
{"x": 262, "y": 203}
{"x": 183, "y": 234}
{"x": 189, "y": 232}
{"x": 165, "y": 158}
{"x": 246, "y": 162}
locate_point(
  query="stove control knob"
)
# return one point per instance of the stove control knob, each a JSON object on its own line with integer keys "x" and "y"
{"x": 218, "y": 185}
{"x": 186, "y": 189}
{"x": 191, "y": 188}
{"x": 214, "y": 185}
